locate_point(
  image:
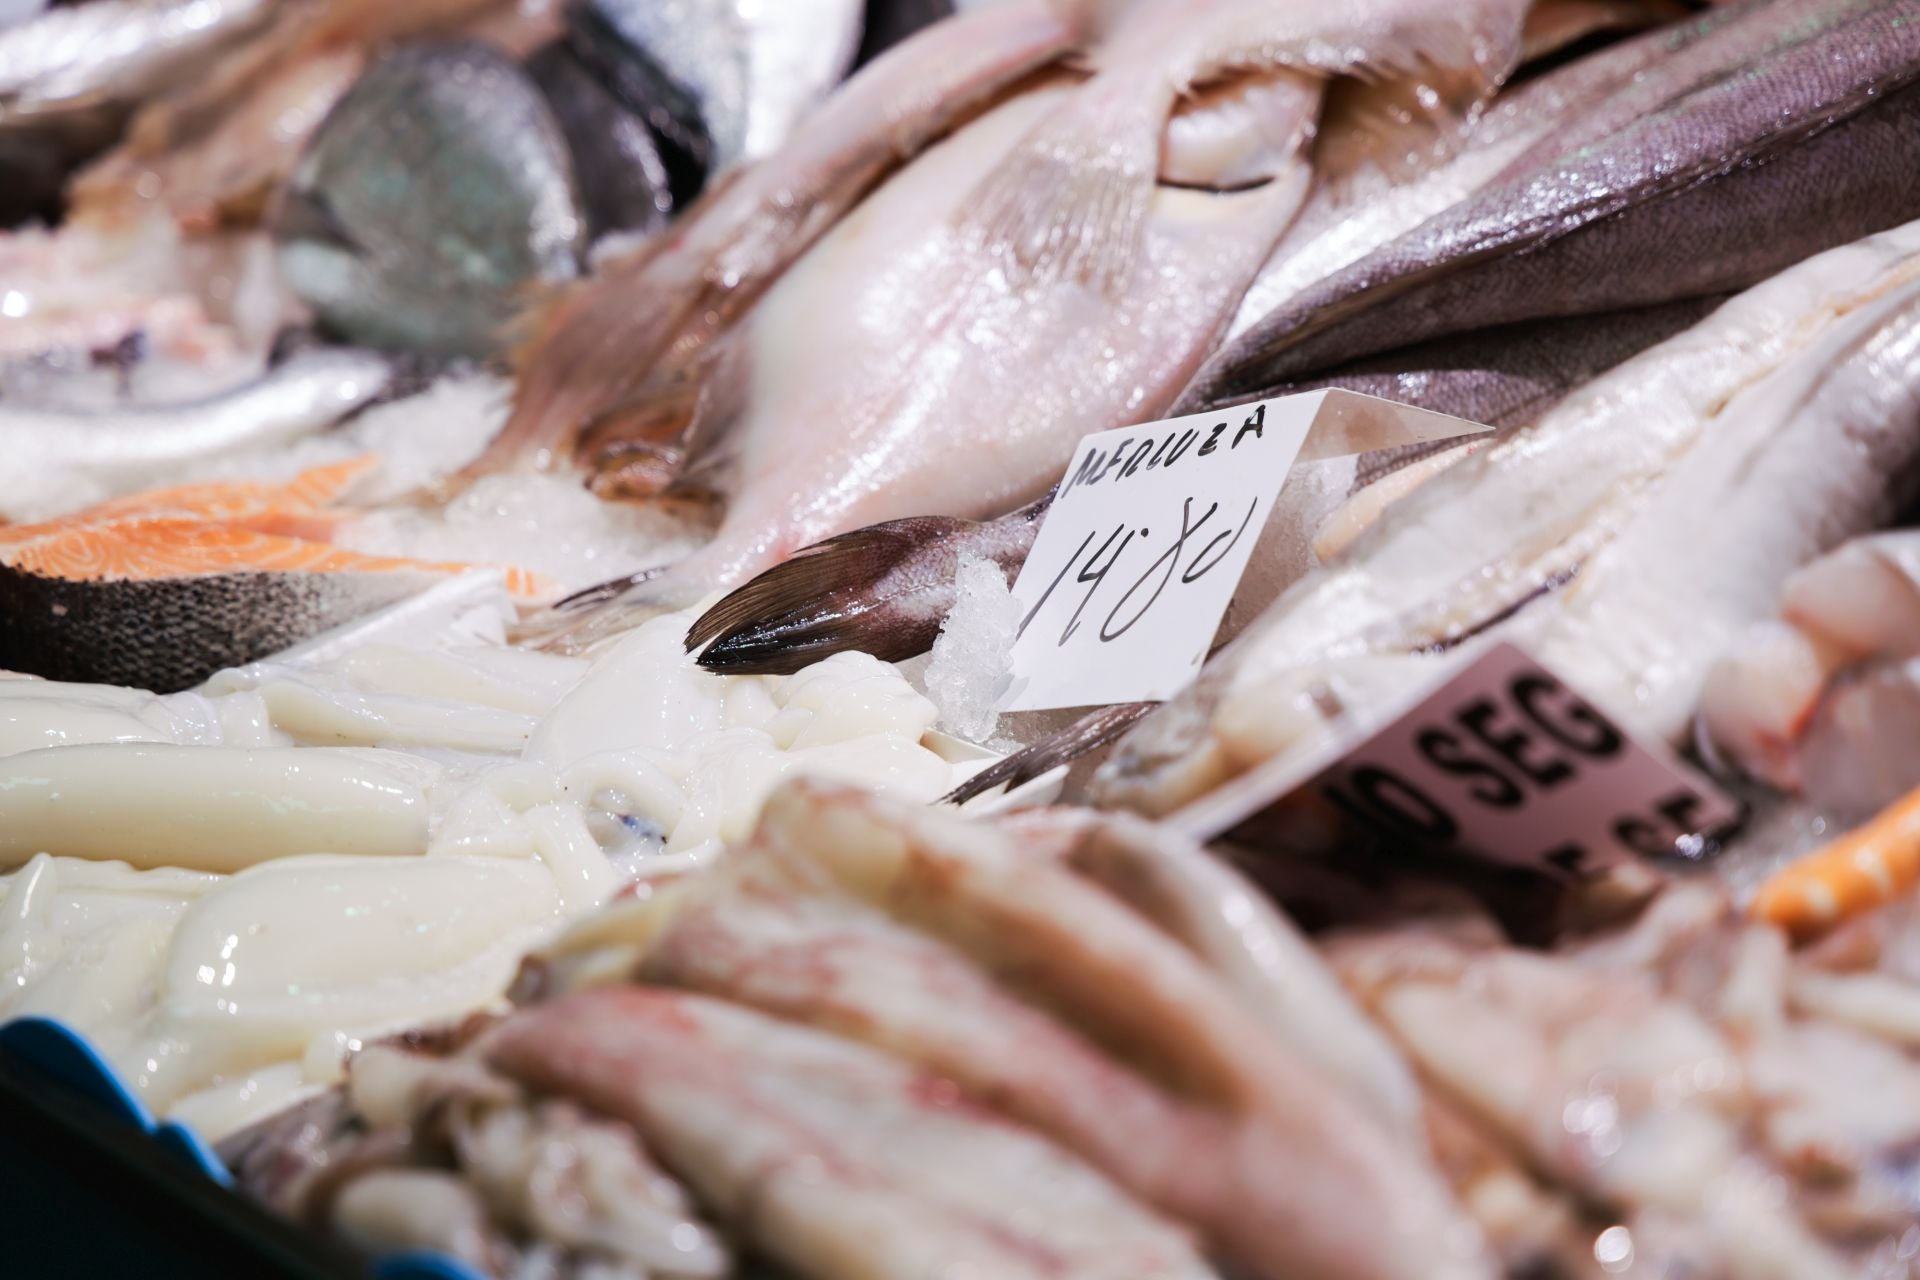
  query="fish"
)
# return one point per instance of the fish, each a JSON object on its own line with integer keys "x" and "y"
{"x": 887, "y": 590}
{"x": 1379, "y": 173}
{"x": 70, "y": 77}
{"x": 160, "y": 590}
{"x": 721, "y": 84}
{"x": 432, "y": 198}
{"x": 1686, "y": 485}
{"x": 214, "y": 152}
{"x": 622, "y": 177}
{"x": 54, "y": 452}
{"x": 1736, "y": 157}
{"x": 114, "y": 53}
{"x": 653, "y": 314}
{"x": 1040, "y": 229}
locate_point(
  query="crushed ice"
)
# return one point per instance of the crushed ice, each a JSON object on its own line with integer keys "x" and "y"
{"x": 969, "y": 671}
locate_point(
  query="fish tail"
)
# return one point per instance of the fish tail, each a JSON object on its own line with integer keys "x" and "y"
{"x": 884, "y": 590}
{"x": 1087, "y": 734}
{"x": 1863, "y": 869}
{"x": 1070, "y": 202}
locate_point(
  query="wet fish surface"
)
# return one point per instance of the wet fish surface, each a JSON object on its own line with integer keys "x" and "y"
{"x": 1784, "y": 131}
{"x": 1623, "y": 539}
{"x": 435, "y": 194}
{"x": 123, "y": 447}
{"x": 720, "y": 83}
{"x": 622, "y": 178}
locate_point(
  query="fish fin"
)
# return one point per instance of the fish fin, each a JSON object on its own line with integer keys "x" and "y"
{"x": 1070, "y": 202}
{"x": 1089, "y": 733}
{"x": 575, "y": 623}
{"x": 580, "y": 347}
{"x": 884, "y": 589}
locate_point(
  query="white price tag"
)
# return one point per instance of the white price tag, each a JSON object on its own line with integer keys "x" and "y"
{"x": 1500, "y": 760}
{"x": 1151, "y": 529}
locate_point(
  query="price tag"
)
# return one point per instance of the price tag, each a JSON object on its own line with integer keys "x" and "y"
{"x": 1151, "y": 529}
{"x": 1501, "y": 760}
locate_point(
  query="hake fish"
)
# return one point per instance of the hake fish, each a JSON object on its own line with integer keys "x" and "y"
{"x": 1623, "y": 540}
{"x": 1016, "y": 273}
{"x": 1789, "y": 127}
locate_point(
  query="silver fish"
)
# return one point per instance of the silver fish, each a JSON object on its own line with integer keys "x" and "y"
{"x": 723, "y": 81}
{"x": 113, "y": 53}
{"x": 435, "y": 193}
{"x": 1623, "y": 539}
{"x": 118, "y": 450}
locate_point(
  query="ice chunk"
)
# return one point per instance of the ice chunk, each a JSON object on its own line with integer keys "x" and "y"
{"x": 969, "y": 670}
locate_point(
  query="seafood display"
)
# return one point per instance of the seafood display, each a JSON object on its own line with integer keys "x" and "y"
{"x": 520, "y": 550}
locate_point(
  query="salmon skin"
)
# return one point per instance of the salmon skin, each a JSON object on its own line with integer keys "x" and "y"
{"x": 160, "y": 590}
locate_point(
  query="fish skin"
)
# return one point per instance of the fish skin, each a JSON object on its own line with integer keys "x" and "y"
{"x": 884, "y": 589}
{"x": 623, "y": 180}
{"x": 1719, "y": 188}
{"x": 594, "y": 348}
{"x": 166, "y": 635}
{"x": 122, "y": 448}
{"x": 1376, "y": 180}
{"x": 725, "y": 81}
{"x": 1588, "y": 493}
{"x": 829, "y": 598}
{"x": 434, "y": 194}
{"x": 161, "y": 589}
{"x": 113, "y": 53}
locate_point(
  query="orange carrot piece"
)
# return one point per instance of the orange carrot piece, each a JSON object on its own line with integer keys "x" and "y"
{"x": 1865, "y": 868}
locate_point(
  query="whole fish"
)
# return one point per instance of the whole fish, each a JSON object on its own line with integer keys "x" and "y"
{"x": 434, "y": 194}
{"x": 719, "y": 82}
{"x": 1786, "y": 130}
{"x": 655, "y": 313}
{"x": 1015, "y": 274}
{"x": 1622, "y": 540}
{"x": 112, "y": 451}
{"x": 887, "y": 590}
{"x": 623, "y": 179}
